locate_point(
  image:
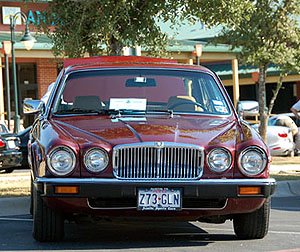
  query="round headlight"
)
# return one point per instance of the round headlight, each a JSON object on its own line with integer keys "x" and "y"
{"x": 61, "y": 160}
{"x": 96, "y": 160}
{"x": 252, "y": 161}
{"x": 219, "y": 160}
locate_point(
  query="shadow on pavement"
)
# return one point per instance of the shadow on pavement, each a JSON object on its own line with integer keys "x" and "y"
{"x": 111, "y": 235}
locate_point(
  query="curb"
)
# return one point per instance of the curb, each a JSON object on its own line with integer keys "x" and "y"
{"x": 287, "y": 188}
{"x": 14, "y": 206}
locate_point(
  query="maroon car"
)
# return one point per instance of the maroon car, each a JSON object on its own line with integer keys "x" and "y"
{"x": 142, "y": 137}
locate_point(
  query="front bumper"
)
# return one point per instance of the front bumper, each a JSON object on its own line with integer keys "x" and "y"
{"x": 114, "y": 188}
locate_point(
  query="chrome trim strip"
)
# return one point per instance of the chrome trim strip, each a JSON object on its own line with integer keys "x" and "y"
{"x": 108, "y": 208}
{"x": 268, "y": 181}
{"x": 225, "y": 205}
{"x": 128, "y": 208}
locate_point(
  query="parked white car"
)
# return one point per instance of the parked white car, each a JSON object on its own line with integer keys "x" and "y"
{"x": 272, "y": 121}
{"x": 279, "y": 140}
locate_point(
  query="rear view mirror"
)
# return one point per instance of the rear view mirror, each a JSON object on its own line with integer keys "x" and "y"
{"x": 33, "y": 106}
{"x": 141, "y": 82}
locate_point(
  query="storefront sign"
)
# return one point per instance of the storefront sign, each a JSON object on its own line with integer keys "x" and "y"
{"x": 33, "y": 17}
{"x": 8, "y": 11}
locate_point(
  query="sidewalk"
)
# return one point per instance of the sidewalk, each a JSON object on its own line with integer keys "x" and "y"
{"x": 288, "y": 168}
{"x": 286, "y": 161}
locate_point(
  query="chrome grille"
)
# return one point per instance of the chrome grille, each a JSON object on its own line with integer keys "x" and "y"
{"x": 158, "y": 160}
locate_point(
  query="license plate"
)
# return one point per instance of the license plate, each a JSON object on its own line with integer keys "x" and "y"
{"x": 159, "y": 199}
{"x": 11, "y": 144}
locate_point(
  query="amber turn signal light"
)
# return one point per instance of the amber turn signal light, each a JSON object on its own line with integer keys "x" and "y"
{"x": 249, "y": 190}
{"x": 66, "y": 189}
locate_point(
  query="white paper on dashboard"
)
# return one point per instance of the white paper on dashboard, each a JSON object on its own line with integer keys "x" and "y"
{"x": 127, "y": 103}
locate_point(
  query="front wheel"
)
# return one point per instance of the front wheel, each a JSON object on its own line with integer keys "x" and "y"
{"x": 253, "y": 225}
{"x": 48, "y": 225}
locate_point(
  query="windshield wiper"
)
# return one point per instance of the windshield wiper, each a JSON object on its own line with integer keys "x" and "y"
{"x": 169, "y": 111}
{"x": 119, "y": 112}
{"x": 79, "y": 111}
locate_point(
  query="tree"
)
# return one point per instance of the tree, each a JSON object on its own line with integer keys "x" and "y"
{"x": 94, "y": 26}
{"x": 266, "y": 31}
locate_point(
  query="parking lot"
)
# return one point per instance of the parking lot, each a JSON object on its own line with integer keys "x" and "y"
{"x": 283, "y": 234}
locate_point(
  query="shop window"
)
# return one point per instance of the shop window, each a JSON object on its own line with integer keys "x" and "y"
{"x": 26, "y": 82}
{"x": 27, "y": 77}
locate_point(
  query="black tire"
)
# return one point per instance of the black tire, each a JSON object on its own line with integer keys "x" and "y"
{"x": 48, "y": 225}
{"x": 253, "y": 225}
{"x": 9, "y": 170}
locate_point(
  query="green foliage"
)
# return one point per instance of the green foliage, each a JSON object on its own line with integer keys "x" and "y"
{"x": 268, "y": 32}
{"x": 105, "y": 26}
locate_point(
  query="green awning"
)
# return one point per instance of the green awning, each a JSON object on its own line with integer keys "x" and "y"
{"x": 42, "y": 41}
{"x": 224, "y": 70}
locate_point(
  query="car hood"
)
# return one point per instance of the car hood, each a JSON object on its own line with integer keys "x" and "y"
{"x": 198, "y": 130}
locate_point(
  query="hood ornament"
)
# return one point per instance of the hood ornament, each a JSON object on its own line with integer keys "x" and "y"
{"x": 159, "y": 145}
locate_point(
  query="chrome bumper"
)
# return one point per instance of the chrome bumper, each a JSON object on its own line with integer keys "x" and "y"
{"x": 115, "y": 188}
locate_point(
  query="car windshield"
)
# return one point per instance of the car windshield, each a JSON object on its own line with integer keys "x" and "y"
{"x": 140, "y": 91}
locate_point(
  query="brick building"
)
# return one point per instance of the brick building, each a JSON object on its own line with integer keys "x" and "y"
{"x": 36, "y": 68}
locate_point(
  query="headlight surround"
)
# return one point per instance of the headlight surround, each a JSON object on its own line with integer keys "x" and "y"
{"x": 96, "y": 160}
{"x": 252, "y": 161}
{"x": 61, "y": 160}
{"x": 219, "y": 159}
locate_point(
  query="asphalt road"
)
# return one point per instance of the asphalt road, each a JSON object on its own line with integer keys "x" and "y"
{"x": 284, "y": 234}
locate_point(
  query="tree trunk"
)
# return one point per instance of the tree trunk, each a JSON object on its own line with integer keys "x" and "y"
{"x": 115, "y": 49}
{"x": 263, "y": 114}
{"x": 275, "y": 93}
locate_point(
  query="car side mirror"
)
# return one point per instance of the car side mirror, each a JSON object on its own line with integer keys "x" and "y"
{"x": 247, "y": 108}
{"x": 33, "y": 107}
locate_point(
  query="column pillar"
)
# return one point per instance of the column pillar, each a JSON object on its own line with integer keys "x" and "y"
{"x": 298, "y": 90}
{"x": 190, "y": 61}
{"x": 235, "y": 78}
{"x": 1, "y": 93}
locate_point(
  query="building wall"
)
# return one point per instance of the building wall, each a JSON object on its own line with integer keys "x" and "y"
{"x": 46, "y": 73}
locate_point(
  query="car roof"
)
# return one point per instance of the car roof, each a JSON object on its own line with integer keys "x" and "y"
{"x": 126, "y": 62}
